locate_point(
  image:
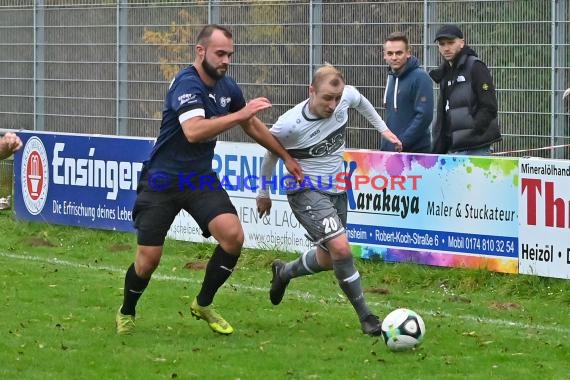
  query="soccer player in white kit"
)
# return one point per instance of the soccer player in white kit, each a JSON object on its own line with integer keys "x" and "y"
{"x": 313, "y": 132}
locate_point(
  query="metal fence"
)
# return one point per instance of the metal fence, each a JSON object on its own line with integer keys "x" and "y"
{"x": 104, "y": 66}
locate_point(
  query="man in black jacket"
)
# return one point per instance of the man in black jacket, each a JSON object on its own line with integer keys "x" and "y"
{"x": 466, "y": 120}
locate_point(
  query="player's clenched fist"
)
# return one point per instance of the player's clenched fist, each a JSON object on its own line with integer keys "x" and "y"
{"x": 9, "y": 143}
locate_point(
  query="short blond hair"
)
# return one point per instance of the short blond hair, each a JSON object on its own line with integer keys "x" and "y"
{"x": 327, "y": 72}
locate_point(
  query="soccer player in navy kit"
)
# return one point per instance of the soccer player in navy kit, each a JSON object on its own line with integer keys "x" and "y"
{"x": 200, "y": 104}
{"x": 314, "y": 133}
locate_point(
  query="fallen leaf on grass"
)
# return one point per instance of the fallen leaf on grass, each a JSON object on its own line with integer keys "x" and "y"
{"x": 377, "y": 290}
{"x": 196, "y": 265}
{"x": 39, "y": 242}
{"x": 504, "y": 305}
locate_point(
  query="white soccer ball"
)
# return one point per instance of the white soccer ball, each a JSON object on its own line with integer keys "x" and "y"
{"x": 403, "y": 329}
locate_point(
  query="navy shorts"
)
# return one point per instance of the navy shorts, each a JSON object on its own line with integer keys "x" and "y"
{"x": 154, "y": 211}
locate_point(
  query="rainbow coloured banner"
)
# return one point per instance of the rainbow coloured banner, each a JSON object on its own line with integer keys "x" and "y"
{"x": 438, "y": 210}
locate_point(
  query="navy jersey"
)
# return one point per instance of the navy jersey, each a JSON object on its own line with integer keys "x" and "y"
{"x": 189, "y": 97}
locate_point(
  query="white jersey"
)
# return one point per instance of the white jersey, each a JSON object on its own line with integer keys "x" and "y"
{"x": 318, "y": 143}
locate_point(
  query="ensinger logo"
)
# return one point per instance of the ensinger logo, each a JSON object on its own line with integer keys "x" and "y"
{"x": 34, "y": 175}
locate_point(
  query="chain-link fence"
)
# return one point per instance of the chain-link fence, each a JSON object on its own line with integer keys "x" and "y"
{"x": 104, "y": 66}
{"x": 6, "y": 183}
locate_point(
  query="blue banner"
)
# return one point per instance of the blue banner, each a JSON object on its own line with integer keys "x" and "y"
{"x": 79, "y": 180}
{"x": 457, "y": 242}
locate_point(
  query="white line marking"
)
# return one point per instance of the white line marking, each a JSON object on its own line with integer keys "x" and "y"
{"x": 301, "y": 295}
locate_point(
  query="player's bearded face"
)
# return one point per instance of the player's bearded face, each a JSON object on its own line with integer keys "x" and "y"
{"x": 213, "y": 71}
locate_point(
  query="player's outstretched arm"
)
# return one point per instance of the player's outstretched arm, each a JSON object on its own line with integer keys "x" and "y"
{"x": 257, "y": 130}
{"x": 367, "y": 110}
{"x": 390, "y": 136}
{"x": 199, "y": 129}
{"x": 263, "y": 199}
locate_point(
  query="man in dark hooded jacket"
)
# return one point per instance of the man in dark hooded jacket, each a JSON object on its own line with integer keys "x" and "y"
{"x": 408, "y": 97}
{"x": 466, "y": 120}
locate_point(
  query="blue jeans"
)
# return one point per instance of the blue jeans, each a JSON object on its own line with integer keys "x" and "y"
{"x": 484, "y": 151}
